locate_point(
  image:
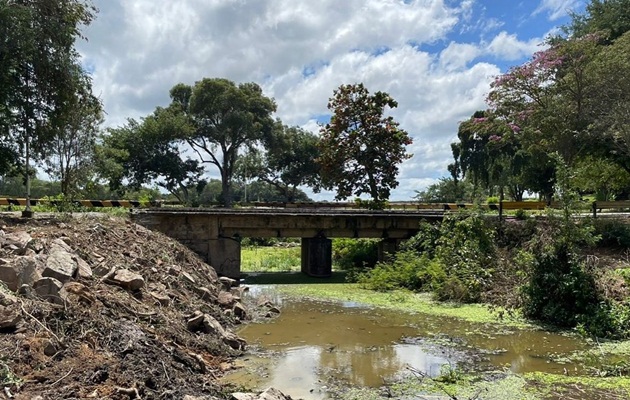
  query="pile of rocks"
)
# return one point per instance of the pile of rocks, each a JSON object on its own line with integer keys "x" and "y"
{"x": 103, "y": 308}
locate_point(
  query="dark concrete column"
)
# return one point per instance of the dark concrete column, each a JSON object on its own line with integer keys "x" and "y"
{"x": 224, "y": 255}
{"x": 317, "y": 257}
{"x": 387, "y": 247}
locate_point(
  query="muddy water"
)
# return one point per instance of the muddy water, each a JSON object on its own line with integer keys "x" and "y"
{"x": 312, "y": 342}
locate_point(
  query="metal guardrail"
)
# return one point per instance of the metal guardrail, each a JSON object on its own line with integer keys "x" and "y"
{"x": 85, "y": 203}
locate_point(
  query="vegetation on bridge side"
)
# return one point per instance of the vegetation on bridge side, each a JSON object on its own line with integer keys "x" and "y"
{"x": 562, "y": 272}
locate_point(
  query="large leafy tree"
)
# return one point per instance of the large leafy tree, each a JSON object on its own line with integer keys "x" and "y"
{"x": 288, "y": 161}
{"x": 38, "y": 75}
{"x": 139, "y": 153}
{"x": 609, "y": 106}
{"x": 608, "y": 17}
{"x": 71, "y": 152}
{"x": 361, "y": 148}
{"x": 218, "y": 119}
{"x": 489, "y": 152}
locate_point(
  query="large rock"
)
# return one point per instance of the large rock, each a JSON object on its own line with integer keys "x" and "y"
{"x": 60, "y": 244}
{"x": 127, "y": 279}
{"x": 83, "y": 268}
{"x": 17, "y": 242}
{"x": 227, "y": 283}
{"x": 61, "y": 265}
{"x": 244, "y": 396}
{"x": 20, "y": 271}
{"x": 48, "y": 288}
{"x": 226, "y": 299}
{"x": 208, "y": 324}
{"x": 268, "y": 394}
{"x": 10, "y": 317}
{"x": 273, "y": 394}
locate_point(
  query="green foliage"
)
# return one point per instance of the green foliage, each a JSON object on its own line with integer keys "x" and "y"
{"x": 360, "y": 149}
{"x": 454, "y": 261}
{"x": 371, "y": 204}
{"x": 561, "y": 288}
{"x": 612, "y": 233}
{"x": 447, "y": 190}
{"x": 41, "y": 77}
{"x": 355, "y": 255}
{"x": 218, "y": 119}
{"x": 406, "y": 270}
{"x": 141, "y": 153}
{"x": 467, "y": 249}
{"x": 270, "y": 259}
{"x": 288, "y": 161}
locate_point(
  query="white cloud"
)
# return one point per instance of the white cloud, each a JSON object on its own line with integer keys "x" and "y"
{"x": 507, "y": 46}
{"x": 299, "y": 51}
{"x": 556, "y": 8}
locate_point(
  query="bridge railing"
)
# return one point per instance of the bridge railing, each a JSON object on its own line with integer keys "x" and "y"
{"x": 595, "y": 207}
{"x": 6, "y": 201}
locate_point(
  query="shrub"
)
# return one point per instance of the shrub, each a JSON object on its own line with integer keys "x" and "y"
{"x": 612, "y": 232}
{"x": 467, "y": 249}
{"x": 355, "y": 254}
{"x": 406, "y": 270}
{"x": 454, "y": 261}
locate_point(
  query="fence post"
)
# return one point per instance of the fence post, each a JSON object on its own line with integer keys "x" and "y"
{"x": 594, "y": 209}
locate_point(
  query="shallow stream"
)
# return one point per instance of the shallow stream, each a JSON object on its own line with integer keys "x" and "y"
{"x": 315, "y": 343}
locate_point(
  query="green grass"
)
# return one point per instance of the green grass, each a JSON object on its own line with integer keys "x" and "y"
{"x": 292, "y": 278}
{"x": 270, "y": 259}
{"x": 399, "y": 300}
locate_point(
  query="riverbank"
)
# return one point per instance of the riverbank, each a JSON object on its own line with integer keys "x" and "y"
{"x": 591, "y": 372}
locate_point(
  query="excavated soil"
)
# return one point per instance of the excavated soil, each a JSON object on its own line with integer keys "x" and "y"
{"x": 107, "y": 342}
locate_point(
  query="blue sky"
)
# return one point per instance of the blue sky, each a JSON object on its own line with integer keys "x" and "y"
{"x": 435, "y": 57}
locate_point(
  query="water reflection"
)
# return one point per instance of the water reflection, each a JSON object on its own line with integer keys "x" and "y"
{"x": 367, "y": 347}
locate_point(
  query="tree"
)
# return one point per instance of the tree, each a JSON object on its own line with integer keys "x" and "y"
{"x": 72, "y": 150}
{"x": 38, "y": 76}
{"x": 220, "y": 119}
{"x": 609, "y": 105}
{"x": 446, "y": 190}
{"x": 360, "y": 147}
{"x": 139, "y": 153}
{"x": 610, "y": 17}
{"x": 288, "y": 161}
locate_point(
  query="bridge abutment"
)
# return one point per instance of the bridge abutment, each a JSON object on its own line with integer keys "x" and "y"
{"x": 317, "y": 257}
{"x": 386, "y": 247}
{"x": 224, "y": 255}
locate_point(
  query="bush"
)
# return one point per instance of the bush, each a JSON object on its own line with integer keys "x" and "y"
{"x": 559, "y": 290}
{"x": 406, "y": 270}
{"x": 453, "y": 260}
{"x": 355, "y": 255}
{"x": 612, "y": 232}
{"x": 467, "y": 249}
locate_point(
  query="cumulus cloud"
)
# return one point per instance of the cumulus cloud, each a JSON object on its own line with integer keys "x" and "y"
{"x": 508, "y": 47}
{"x": 299, "y": 51}
{"x": 556, "y": 9}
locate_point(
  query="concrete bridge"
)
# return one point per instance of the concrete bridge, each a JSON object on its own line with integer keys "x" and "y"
{"x": 216, "y": 234}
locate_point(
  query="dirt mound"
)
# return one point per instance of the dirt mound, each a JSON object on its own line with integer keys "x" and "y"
{"x": 98, "y": 307}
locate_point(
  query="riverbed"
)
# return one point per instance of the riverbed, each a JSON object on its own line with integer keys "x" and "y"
{"x": 316, "y": 346}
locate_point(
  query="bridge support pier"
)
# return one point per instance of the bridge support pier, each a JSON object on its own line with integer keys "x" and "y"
{"x": 224, "y": 255}
{"x": 317, "y": 257}
{"x": 387, "y": 247}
